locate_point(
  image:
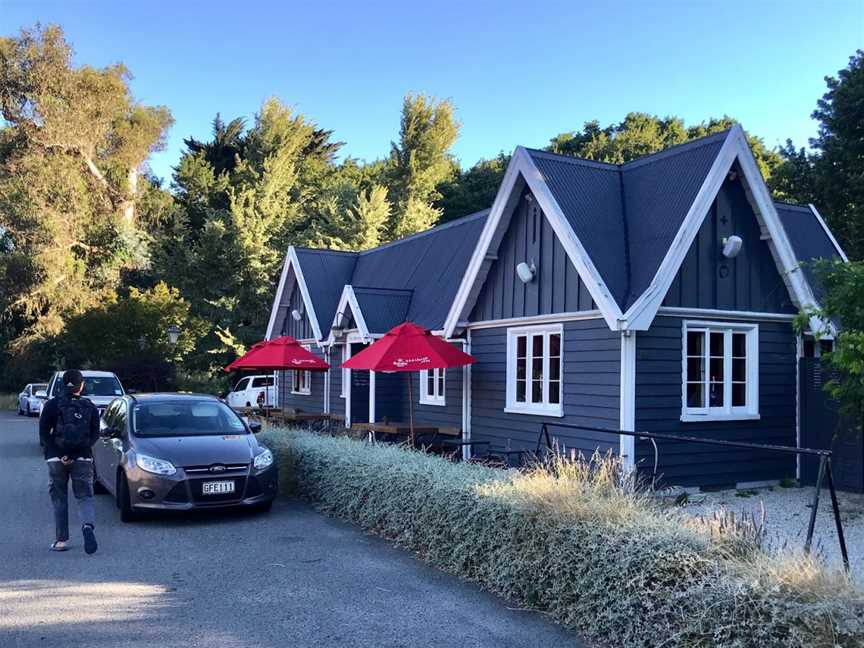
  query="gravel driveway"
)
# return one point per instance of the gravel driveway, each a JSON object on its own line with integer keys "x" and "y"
{"x": 290, "y": 578}
{"x": 787, "y": 514}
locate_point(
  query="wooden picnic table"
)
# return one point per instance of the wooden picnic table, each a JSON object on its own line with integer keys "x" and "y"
{"x": 400, "y": 428}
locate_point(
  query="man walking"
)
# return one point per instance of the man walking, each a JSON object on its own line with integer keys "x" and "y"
{"x": 68, "y": 427}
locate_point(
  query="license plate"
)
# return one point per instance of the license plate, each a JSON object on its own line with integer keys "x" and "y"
{"x": 217, "y": 487}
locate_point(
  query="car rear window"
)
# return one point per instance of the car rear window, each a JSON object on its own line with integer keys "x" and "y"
{"x": 262, "y": 382}
{"x": 184, "y": 418}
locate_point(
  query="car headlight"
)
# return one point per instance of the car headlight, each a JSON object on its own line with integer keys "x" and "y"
{"x": 263, "y": 460}
{"x": 155, "y": 466}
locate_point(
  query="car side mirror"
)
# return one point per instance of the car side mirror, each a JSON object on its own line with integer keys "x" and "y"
{"x": 131, "y": 391}
{"x": 41, "y": 394}
{"x": 255, "y": 426}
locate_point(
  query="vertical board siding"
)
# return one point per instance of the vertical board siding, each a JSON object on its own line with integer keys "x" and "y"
{"x": 591, "y": 388}
{"x": 747, "y": 282}
{"x": 556, "y": 288}
{"x": 301, "y": 330}
{"x": 658, "y": 409}
{"x": 314, "y": 402}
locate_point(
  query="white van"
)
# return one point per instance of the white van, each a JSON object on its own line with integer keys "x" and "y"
{"x": 249, "y": 389}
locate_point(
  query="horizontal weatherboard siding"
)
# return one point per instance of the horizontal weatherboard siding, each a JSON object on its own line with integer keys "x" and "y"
{"x": 658, "y": 409}
{"x": 591, "y": 384}
{"x": 314, "y": 401}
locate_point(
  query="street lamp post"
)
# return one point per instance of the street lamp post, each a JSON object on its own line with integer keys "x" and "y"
{"x": 173, "y": 335}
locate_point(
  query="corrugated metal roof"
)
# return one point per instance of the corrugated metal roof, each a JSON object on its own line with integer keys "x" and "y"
{"x": 326, "y": 272}
{"x": 383, "y": 308}
{"x": 626, "y": 216}
{"x": 808, "y": 238}
{"x": 430, "y": 264}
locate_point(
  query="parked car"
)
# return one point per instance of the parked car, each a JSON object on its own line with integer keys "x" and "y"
{"x": 100, "y": 387}
{"x": 252, "y": 391}
{"x": 180, "y": 452}
{"x": 30, "y": 400}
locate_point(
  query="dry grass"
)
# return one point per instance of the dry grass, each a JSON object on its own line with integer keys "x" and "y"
{"x": 584, "y": 544}
{"x": 8, "y": 401}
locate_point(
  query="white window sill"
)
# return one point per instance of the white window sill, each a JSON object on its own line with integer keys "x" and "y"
{"x": 702, "y": 418}
{"x": 301, "y": 393}
{"x": 439, "y": 403}
{"x": 557, "y": 412}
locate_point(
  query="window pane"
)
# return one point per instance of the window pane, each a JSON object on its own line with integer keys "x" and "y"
{"x": 520, "y": 346}
{"x": 520, "y": 391}
{"x": 537, "y": 369}
{"x": 739, "y": 345}
{"x": 826, "y": 346}
{"x": 554, "y": 368}
{"x": 717, "y": 369}
{"x": 536, "y": 391}
{"x": 739, "y": 394}
{"x": 537, "y": 346}
{"x": 695, "y": 369}
{"x": 520, "y": 369}
{"x": 554, "y": 345}
{"x": 430, "y": 382}
{"x": 715, "y": 395}
{"x": 717, "y": 339}
{"x": 739, "y": 369}
{"x": 440, "y": 373}
{"x": 554, "y": 392}
{"x": 695, "y": 341}
{"x": 695, "y": 395}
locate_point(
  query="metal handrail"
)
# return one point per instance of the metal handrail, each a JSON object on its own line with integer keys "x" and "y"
{"x": 824, "y": 467}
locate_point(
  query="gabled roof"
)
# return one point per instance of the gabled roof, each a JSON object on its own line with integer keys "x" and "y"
{"x": 810, "y": 238}
{"x": 383, "y": 308}
{"x": 627, "y": 228}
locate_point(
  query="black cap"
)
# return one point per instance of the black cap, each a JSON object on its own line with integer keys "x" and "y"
{"x": 72, "y": 379}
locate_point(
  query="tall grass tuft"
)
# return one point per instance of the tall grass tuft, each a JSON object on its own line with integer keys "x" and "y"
{"x": 584, "y": 544}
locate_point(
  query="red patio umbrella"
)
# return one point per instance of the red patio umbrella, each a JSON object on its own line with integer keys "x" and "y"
{"x": 280, "y": 353}
{"x": 408, "y": 348}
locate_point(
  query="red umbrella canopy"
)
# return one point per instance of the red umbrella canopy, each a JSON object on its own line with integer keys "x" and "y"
{"x": 281, "y": 353}
{"x": 408, "y": 347}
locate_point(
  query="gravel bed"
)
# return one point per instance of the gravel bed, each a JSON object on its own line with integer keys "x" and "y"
{"x": 787, "y": 513}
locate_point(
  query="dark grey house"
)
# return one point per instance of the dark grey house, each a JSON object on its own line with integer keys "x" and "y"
{"x": 656, "y": 295}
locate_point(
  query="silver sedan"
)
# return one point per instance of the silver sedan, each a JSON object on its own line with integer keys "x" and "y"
{"x": 31, "y": 399}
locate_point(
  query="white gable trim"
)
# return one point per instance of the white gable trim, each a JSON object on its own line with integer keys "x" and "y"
{"x": 828, "y": 232}
{"x": 521, "y": 165}
{"x": 291, "y": 261}
{"x": 349, "y": 299}
{"x": 640, "y": 315}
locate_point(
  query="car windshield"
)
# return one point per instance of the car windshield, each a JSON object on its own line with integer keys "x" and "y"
{"x": 39, "y": 387}
{"x": 184, "y": 418}
{"x": 101, "y": 386}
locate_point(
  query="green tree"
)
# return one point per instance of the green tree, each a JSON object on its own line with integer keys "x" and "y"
{"x": 371, "y": 212}
{"x": 472, "y": 190}
{"x": 71, "y": 146}
{"x": 420, "y": 162}
{"x": 641, "y": 134}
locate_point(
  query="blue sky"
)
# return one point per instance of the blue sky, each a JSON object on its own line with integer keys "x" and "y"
{"x": 518, "y": 72}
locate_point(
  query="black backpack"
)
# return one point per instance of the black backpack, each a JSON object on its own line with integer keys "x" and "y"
{"x": 72, "y": 430}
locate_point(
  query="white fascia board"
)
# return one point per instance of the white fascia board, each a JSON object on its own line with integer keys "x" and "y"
{"x": 522, "y": 165}
{"x": 348, "y": 298}
{"x": 641, "y": 313}
{"x": 279, "y": 290}
{"x": 291, "y": 261}
{"x": 828, "y": 232}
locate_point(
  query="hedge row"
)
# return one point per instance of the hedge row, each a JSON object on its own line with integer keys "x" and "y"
{"x": 600, "y": 559}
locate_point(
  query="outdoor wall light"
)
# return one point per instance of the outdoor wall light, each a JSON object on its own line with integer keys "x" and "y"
{"x": 732, "y": 246}
{"x": 526, "y": 272}
{"x": 338, "y": 328}
{"x": 296, "y": 315}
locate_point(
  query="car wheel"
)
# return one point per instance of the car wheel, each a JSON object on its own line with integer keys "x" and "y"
{"x": 27, "y": 411}
{"x": 124, "y": 501}
{"x": 20, "y": 411}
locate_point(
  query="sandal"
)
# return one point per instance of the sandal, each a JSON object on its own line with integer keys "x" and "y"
{"x": 60, "y": 545}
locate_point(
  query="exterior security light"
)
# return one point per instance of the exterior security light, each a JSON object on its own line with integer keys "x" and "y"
{"x": 526, "y": 272}
{"x": 296, "y": 315}
{"x": 732, "y": 246}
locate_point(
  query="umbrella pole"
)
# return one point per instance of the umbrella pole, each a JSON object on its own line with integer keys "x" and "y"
{"x": 410, "y": 410}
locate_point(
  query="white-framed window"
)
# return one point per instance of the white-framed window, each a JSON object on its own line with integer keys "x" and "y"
{"x": 301, "y": 381}
{"x": 534, "y": 370}
{"x": 346, "y": 373}
{"x": 432, "y": 384}
{"x": 720, "y": 372}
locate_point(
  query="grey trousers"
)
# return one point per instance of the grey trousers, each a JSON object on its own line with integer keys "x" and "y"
{"x": 80, "y": 472}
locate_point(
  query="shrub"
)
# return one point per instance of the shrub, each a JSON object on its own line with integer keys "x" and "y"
{"x": 575, "y": 541}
